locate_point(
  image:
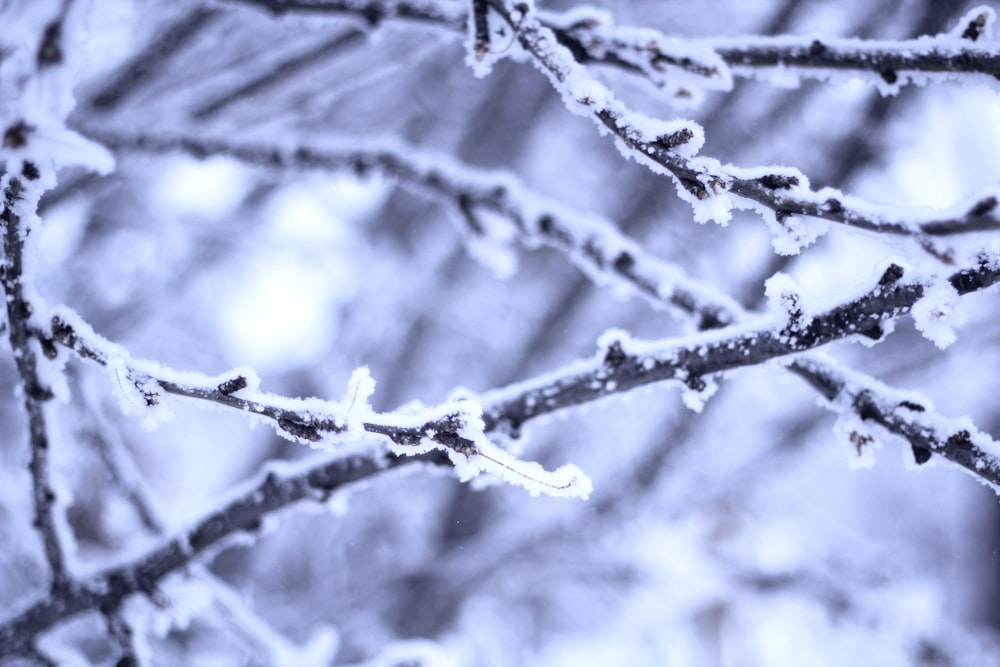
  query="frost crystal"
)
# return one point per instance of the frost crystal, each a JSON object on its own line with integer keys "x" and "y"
{"x": 938, "y": 312}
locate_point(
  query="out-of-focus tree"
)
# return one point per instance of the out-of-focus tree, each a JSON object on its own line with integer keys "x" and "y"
{"x": 302, "y": 299}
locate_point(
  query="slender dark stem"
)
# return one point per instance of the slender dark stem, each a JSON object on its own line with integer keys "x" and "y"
{"x": 107, "y": 590}
{"x": 150, "y": 62}
{"x": 35, "y": 392}
{"x": 859, "y": 57}
{"x": 591, "y": 43}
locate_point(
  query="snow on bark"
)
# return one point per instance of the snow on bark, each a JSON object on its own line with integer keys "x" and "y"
{"x": 938, "y": 312}
{"x": 455, "y": 428}
{"x": 964, "y": 54}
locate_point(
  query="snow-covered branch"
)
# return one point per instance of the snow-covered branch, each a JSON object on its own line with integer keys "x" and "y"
{"x": 32, "y": 124}
{"x": 779, "y": 194}
{"x": 605, "y": 255}
{"x": 684, "y": 66}
{"x": 593, "y": 244}
{"x": 866, "y": 401}
{"x": 456, "y": 428}
{"x": 965, "y": 53}
{"x": 35, "y": 392}
{"x": 107, "y": 590}
{"x": 622, "y": 363}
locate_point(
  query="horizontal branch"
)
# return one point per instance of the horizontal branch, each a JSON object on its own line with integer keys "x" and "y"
{"x": 958, "y": 53}
{"x": 593, "y": 38}
{"x": 107, "y": 590}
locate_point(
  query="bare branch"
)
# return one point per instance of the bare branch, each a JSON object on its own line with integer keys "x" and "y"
{"x": 147, "y": 64}
{"x": 447, "y": 14}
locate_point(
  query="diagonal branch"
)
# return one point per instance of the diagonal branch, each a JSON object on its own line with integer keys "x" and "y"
{"x": 714, "y": 189}
{"x": 455, "y": 427}
{"x": 605, "y": 255}
{"x": 595, "y": 246}
{"x": 107, "y": 590}
{"x": 622, "y": 364}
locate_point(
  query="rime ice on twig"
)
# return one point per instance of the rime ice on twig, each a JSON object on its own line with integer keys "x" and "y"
{"x": 622, "y": 364}
{"x": 966, "y": 53}
{"x": 683, "y": 67}
{"x": 34, "y": 142}
{"x": 905, "y": 414}
{"x": 109, "y": 589}
{"x": 594, "y": 245}
{"x": 455, "y": 428}
{"x": 598, "y": 249}
{"x": 714, "y": 189}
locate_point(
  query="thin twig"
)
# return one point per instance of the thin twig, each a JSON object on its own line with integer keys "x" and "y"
{"x": 107, "y": 590}
{"x": 35, "y": 393}
{"x": 594, "y": 39}
{"x": 703, "y": 180}
{"x": 581, "y": 41}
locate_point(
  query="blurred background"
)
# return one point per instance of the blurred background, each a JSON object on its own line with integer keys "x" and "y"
{"x": 743, "y": 535}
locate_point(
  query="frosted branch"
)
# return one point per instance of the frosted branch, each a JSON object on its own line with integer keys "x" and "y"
{"x": 964, "y": 53}
{"x": 622, "y": 364}
{"x": 683, "y": 66}
{"x": 713, "y": 189}
{"x": 604, "y": 254}
{"x": 593, "y": 244}
{"x": 928, "y": 433}
{"x": 35, "y": 392}
{"x": 455, "y": 428}
{"x": 107, "y": 590}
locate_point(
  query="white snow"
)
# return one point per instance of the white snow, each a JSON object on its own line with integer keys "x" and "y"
{"x": 938, "y": 312}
